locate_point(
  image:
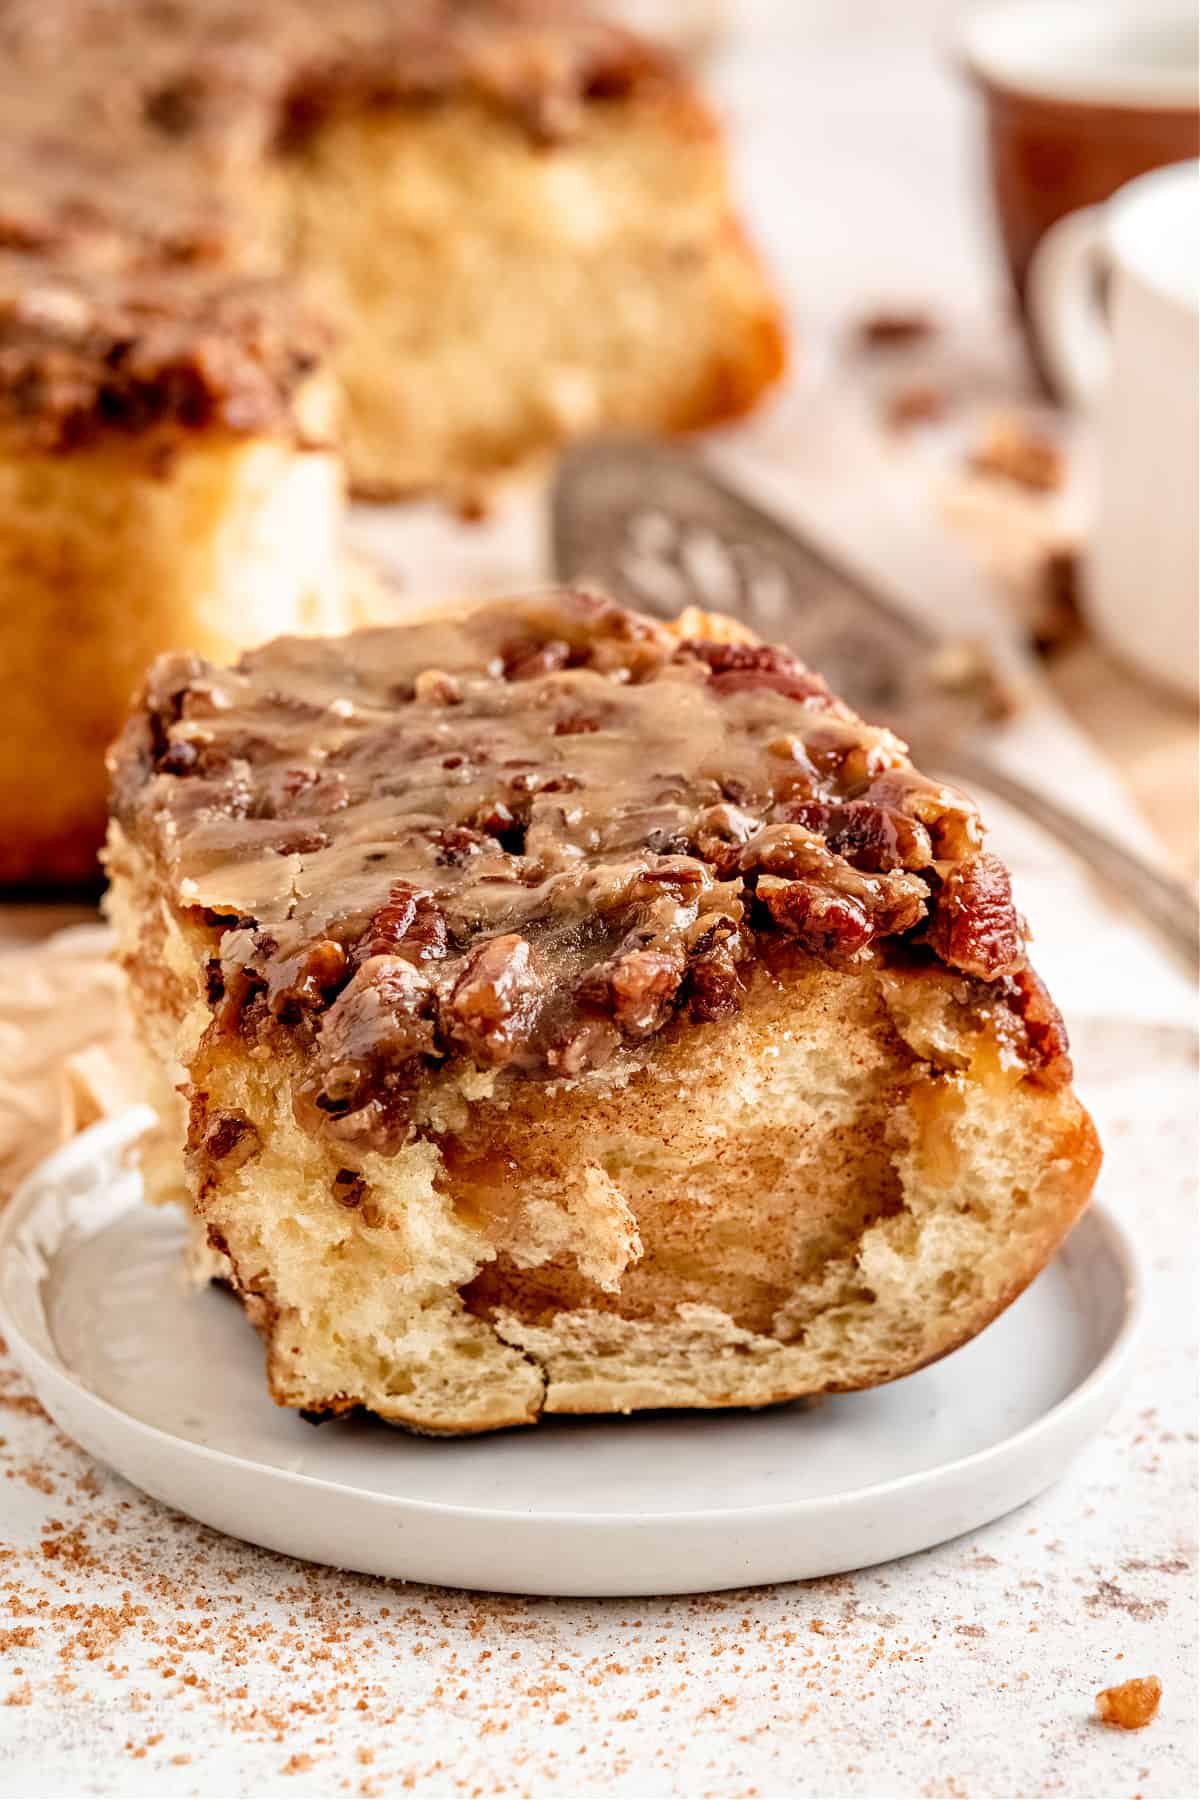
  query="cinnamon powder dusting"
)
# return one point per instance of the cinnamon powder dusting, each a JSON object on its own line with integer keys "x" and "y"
{"x": 148, "y": 1639}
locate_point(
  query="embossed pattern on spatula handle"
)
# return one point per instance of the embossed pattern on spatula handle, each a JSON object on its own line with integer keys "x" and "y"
{"x": 650, "y": 525}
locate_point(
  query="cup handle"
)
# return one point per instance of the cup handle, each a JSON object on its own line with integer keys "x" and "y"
{"x": 1069, "y": 322}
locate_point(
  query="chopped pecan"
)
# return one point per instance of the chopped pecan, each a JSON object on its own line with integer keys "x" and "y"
{"x": 750, "y": 668}
{"x": 948, "y": 816}
{"x": 231, "y": 1138}
{"x": 237, "y": 973}
{"x": 382, "y": 1020}
{"x": 883, "y": 330}
{"x": 637, "y": 989}
{"x": 1044, "y": 1028}
{"x": 349, "y": 1189}
{"x": 301, "y": 841}
{"x": 589, "y": 1045}
{"x": 219, "y": 1144}
{"x": 301, "y": 791}
{"x": 824, "y": 922}
{"x": 525, "y": 661}
{"x": 304, "y": 981}
{"x": 1132, "y": 1705}
{"x": 973, "y": 924}
{"x": 494, "y": 1003}
{"x": 577, "y": 723}
{"x": 871, "y": 836}
{"x": 719, "y": 833}
{"x": 785, "y": 849}
{"x": 455, "y": 844}
{"x": 412, "y": 924}
{"x": 434, "y": 687}
{"x": 713, "y": 989}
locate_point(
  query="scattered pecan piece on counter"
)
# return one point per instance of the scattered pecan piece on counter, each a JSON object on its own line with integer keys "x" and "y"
{"x": 1018, "y": 451}
{"x": 1132, "y": 1704}
{"x": 918, "y": 403}
{"x": 893, "y": 328}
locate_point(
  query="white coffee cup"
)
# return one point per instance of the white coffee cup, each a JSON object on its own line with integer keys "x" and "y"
{"x": 1133, "y": 362}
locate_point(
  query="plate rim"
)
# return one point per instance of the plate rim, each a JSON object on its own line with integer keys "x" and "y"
{"x": 122, "y": 1129}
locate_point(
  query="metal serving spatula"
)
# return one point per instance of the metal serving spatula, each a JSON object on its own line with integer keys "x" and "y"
{"x": 655, "y": 528}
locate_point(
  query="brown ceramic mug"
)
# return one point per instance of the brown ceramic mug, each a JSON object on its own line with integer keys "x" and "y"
{"x": 1081, "y": 96}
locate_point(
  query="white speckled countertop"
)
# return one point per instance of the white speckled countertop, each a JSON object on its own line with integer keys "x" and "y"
{"x": 143, "y": 1655}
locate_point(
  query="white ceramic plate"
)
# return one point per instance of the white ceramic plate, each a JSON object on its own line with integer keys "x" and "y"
{"x": 165, "y": 1384}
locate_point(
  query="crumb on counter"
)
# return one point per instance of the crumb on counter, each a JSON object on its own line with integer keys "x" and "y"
{"x": 891, "y": 328}
{"x": 963, "y": 666}
{"x": 1015, "y": 450}
{"x": 1131, "y": 1705}
{"x": 920, "y": 403}
{"x": 1057, "y": 621}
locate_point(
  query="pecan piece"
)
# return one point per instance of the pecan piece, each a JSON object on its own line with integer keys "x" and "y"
{"x": 577, "y": 723}
{"x": 1044, "y": 1029}
{"x": 382, "y": 1020}
{"x": 637, "y": 989}
{"x": 436, "y": 688}
{"x": 589, "y": 1045}
{"x": 870, "y": 836}
{"x": 349, "y": 1189}
{"x": 494, "y": 1004}
{"x": 719, "y": 833}
{"x": 411, "y": 924}
{"x": 525, "y": 661}
{"x": 822, "y": 921}
{"x": 1132, "y": 1705}
{"x": 949, "y": 817}
{"x": 304, "y": 981}
{"x": 974, "y": 925}
{"x": 300, "y": 792}
{"x": 218, "y": 1145}
{"x": 757, "y": 668}
{"x": 714, "y": 987}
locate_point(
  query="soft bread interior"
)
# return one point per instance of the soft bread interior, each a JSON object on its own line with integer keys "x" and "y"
{"x": 495, "y": 296}
{"x": 838, "y": 1185}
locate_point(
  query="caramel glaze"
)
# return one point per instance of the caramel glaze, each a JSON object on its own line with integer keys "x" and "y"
{"x": 531, "y": 837}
